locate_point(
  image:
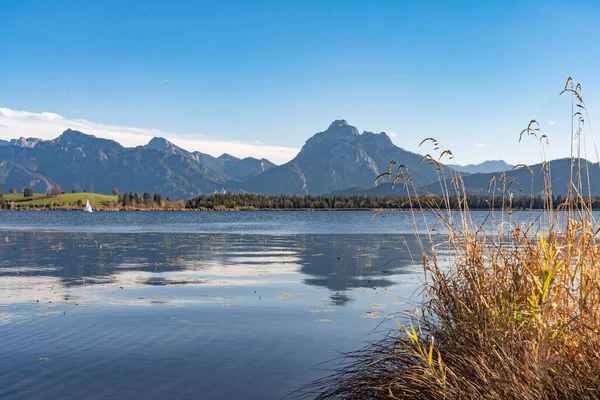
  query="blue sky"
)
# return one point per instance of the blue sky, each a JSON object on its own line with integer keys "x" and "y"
{"x": 470, "y": 73}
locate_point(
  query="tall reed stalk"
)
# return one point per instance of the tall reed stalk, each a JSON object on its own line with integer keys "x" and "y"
{"x": 516, "y": 313}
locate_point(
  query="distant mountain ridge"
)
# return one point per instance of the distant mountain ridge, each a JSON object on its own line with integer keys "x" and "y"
{"x": 519, "y": 182}
{"x": 523, "y": 181}
{"x": 484, "y": 167}
{"x": 339, "y": 160}
{"x": 335, "y": 159}
{"x": 78, "y": 161}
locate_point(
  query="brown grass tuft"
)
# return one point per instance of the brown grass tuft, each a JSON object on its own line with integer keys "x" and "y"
{"x": 515, "y": 315}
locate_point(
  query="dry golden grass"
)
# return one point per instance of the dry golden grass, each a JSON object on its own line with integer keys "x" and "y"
{"x": 515, "y": 315}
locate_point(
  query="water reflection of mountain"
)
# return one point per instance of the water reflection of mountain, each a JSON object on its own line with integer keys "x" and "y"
{"x": 345, "y": 262}
{"x": 336, "y": 262}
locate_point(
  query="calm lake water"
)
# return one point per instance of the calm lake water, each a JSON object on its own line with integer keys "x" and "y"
{"x": 207, "y": 305}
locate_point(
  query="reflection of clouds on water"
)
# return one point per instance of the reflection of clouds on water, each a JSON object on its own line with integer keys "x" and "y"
{"x": 5, "y": 318}
{"x": 235, "y": 267}
{"x": 48, "y": 292}
{"x": 54, "y": 268}
{"x": 18, "y": 270}
{"x": 262, "y": 253}
{"x": 18, "y": 289}
{"x": 129, "y": 279}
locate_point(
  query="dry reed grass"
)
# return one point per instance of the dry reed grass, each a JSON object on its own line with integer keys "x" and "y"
{"x": 516, "y": 314}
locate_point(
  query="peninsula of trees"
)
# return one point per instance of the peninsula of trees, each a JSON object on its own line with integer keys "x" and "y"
{"x": 59, "y": 199}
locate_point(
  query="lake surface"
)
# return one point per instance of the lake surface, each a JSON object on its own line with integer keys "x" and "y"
{"x": 182, "y": 305}
{"x": 244, "y": 222}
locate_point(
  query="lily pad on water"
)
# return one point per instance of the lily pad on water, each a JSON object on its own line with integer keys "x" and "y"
{"x": 375, "y": 304}
{"x": 289, "y": 295}
{"x": 370, "y": 314}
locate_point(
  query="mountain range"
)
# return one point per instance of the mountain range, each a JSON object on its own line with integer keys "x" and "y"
{"x": 78, "y": 161}
{"x": 337, "y": 160}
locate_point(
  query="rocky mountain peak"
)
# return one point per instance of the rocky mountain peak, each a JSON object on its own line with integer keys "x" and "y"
{"x": 380, "y": 140}
{"x": 25, "y": 142}
{"x": 71, "y": 133}
{"x": 76, "y": 139}
{"x": 158, "y": 143}
{"x": 340, "y": 128}
{"x": 338, "y": 122}
{"x": 227, "y": 158}
{"x": 335, "y": 138}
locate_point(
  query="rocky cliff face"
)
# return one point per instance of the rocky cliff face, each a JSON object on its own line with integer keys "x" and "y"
{"x": 12, "y": 173}
{"x": 247, "y": 168}
{"x": 25, "y": 142}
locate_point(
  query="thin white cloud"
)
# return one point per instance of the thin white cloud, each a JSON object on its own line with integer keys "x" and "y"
{"x": 47, "y": 125}
{"x": 392, "y": 134}
{"x": 481, "y": 145}
{"x": 165, "y": 81}
{"x": 552, "y": 123}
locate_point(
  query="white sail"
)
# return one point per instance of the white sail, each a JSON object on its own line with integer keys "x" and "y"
{"x": 88, "y": 207}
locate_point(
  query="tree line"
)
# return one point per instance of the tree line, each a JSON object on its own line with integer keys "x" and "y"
{"x": 234, "y": 201}
{"x": 237, "y": 201}
{"x": 145, "y": 200}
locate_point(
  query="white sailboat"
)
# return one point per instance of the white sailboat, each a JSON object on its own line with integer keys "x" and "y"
{"x": 88, "y": 207}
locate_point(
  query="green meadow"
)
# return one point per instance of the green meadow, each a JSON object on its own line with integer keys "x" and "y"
{"x": 95, "y": 199}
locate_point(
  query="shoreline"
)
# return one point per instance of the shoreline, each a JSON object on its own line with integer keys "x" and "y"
{"x": 207, "y": 209}
{"x": 249, "y": 209}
